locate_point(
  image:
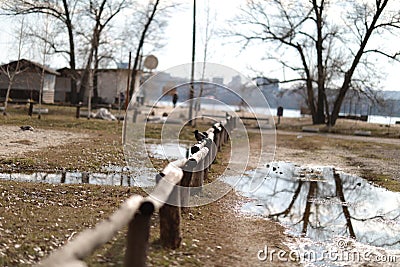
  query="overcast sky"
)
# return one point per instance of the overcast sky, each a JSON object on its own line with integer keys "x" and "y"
{"x": 178, "y": 46}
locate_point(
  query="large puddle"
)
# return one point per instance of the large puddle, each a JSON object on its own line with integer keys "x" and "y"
{"x": 108, "y": 175}
{"x": 168, "y": 150}
{"x": 321, "y": 206}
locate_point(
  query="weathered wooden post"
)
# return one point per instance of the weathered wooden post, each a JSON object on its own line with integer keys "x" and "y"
{"x": 135, "y": 113}
{"x": 78, "y": 110}
{"x": 85, "y": 177}
{"x": 185, "y": 183}
{"x": 228, "y": 129}
{"x": 217, "y": 136}
{"x": 198, "y": 172}
{"x": 229, "y": 123}
{"x": 223, "y": 132}
{"x": 216, "y": 140}
{"x": 170, "y": 219}
{"x": 63, "y": 176}
{"x": 30, "y": 110}
{"x": 210, "y": 156}
{"x": 138, "y": 236}
{"x": 197, "y": 178}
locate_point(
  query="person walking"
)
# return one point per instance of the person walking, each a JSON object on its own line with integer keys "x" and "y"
{"x": 174, "y": 99}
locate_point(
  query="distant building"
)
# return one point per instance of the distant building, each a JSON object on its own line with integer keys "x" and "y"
{"x": 62, "y": 91}
{"x": 27, "y": 81}
{"x": 218, "y": 80}
{"x": 270, "y": 89}
{"x": 110, "y": 84}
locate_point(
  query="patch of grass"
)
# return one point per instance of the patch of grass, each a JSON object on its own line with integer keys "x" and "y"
{"x": 383, "y": 180}
{"x": 58, "y": 118}
{"x": 18, "y": 162}
{"x": 37, "y": 218}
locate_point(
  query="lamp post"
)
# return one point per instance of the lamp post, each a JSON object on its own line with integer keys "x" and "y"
{"x": 191, "y": 92}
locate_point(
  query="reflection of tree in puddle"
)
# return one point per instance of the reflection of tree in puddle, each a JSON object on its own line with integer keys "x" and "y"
{"x": 325, "y": 205}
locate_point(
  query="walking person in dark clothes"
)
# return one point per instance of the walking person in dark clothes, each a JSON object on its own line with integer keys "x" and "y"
{"x": 174, "y": 99}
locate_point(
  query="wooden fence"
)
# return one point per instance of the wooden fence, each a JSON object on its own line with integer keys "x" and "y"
{"x": 173, "y": 186}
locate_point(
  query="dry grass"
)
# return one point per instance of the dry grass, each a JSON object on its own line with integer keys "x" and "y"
{"x": 38, "y": 218}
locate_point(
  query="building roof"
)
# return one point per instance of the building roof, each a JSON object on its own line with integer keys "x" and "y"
{"x": 25, "y": 64}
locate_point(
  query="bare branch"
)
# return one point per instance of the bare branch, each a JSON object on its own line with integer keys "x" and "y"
{"x": 393, "y": 56}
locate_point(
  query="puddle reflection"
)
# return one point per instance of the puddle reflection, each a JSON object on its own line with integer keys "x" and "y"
{"x": 322, "y": 205}
{"x": 110, "y": 175}
{"x": 171, "y": 151}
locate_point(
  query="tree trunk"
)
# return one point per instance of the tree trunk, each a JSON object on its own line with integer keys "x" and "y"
{"x": 349, "y": 74}
{"x": 139, "y": 48}
{"x": 320, "y": 116}
{"x": 86, "y": 73}
{"x": 84, "y": 82}
{"x": 345, "y": 208}
{"x": 309, "y": 86}
{"x": 339, "y": 100}
{"x": 310, "y": 101}
{"x": 10, "y": 83}
{"x": 94, "y": 76}
{"x": 72, "y": 60}
{"x": 307, "y": 211}
{"x": 74, "y": 87}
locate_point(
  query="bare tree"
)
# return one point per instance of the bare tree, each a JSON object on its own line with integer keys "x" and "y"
{"x": 101, "y": 13}
{"x": 149, "y": 14}
{"x": 12, "y": 70}
{"x": 129, "y": 38}
{"x": 208, "y": 32}
{"x": 143, "y": 33}
{"x": 44, "y": 63}
{"x": 326, "y": 51}
{"x": 64, "y": 12}
{"x": 147, "y": 29}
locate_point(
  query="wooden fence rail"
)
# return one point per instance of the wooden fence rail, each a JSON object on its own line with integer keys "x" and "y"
{"x": 171, "y": 195}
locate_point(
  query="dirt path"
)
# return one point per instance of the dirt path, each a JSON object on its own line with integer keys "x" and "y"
{"x": 346, "y": 137}
{"x": 14, "y": 141}
{"x": 223, "y": 236}
{"x": 232, "y": 238}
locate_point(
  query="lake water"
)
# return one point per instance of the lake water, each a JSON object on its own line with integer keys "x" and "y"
{"x": 287, "y": 113}
{"x": 294, "y": 113}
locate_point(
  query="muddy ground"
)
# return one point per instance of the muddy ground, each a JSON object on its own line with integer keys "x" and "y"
{"x": 15, "y": 141}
